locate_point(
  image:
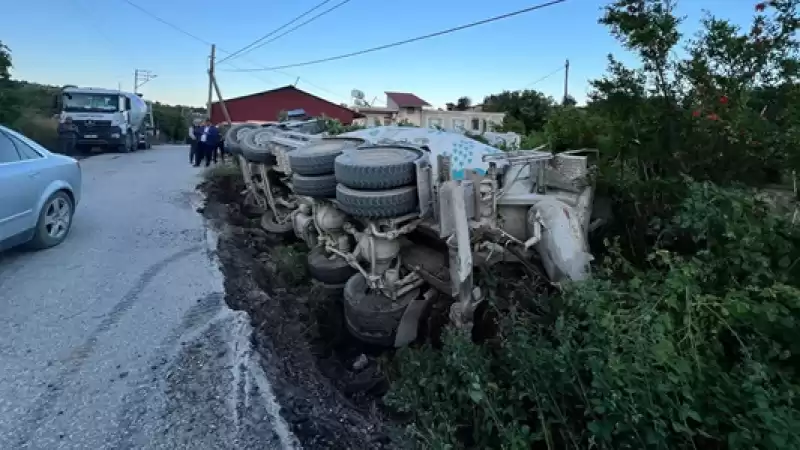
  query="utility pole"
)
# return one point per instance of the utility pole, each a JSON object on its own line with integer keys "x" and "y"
{"x": 566, "y": 82}
{"x": 211, "y": 79}
{"x": 140, "y": 77}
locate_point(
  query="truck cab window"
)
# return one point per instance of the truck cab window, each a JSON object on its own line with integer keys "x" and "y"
{"x": 87, "y": 102}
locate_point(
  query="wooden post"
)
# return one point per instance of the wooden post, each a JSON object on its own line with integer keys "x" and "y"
{"x": 211, "y": 80}
{"x": 221, "y": 101}
{"x": 566, "y": 82}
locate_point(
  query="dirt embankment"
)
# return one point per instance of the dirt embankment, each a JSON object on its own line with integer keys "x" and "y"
{"x": 321, "y": 376}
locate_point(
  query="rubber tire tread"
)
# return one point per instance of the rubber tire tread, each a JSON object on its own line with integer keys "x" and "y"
{"x": 270, "y": 226}
{"x": 125, "y": 148}
{"x": 334, "y": 272}
{"x": 255, "y": 154}
{"x": 231, "y": 141}
{"x": 40, "y": 241}
{"x": 314, "y": 163}
{"x": 318, "y": 186}
{"x": 377, "y": 204}
{"x": 375, "y": 327}
{"x": 357, "y": 175}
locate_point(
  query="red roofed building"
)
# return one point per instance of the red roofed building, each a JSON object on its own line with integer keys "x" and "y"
{"x": 395, "y": 100}
{"x": 267, "y": 106}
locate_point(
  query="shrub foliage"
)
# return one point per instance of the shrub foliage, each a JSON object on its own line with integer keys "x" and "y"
{"x": 685, "y": 337}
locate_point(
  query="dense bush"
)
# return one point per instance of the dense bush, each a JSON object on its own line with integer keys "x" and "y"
{"x": 41, "y": 129}
{"x": 685, "y": 337}
{"x": 695, "y": 351}
{"x": 569, "y": 127}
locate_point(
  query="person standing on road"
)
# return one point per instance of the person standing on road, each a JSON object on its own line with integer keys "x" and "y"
{"x": 221, "y": 143}
{"x": 67, "y": 136}
{"x": 206, "y": 143}
{"x": 194, "y": 136}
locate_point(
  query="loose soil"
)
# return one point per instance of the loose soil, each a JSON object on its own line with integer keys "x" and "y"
{"x": 328, "y": 384}
{"x": 298, "y": 328}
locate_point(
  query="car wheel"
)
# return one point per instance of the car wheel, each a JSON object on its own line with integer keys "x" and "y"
{"x": 55, "y": 221}
{"x": 332, "y": 271}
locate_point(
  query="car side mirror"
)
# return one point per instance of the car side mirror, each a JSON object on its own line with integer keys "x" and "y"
{"x": 127, "y": 104}
{"x": 57, "y": 102}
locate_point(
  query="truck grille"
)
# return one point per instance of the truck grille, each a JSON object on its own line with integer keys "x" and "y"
{"x": 93, "y": 123}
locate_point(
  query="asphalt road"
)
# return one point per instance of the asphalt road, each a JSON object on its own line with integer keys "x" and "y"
{"x": 119, "y": 338}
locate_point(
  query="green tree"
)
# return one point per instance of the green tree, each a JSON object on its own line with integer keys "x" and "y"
{"x": 463, "y": 104}
{"x": 527, "y": 106}
{"x": 9, "y": 100}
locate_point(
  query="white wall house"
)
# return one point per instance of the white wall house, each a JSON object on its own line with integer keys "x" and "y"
{"x": 402, "y": 107}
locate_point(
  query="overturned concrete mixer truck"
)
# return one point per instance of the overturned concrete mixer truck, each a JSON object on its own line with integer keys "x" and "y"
{"x": 397, "y": 216}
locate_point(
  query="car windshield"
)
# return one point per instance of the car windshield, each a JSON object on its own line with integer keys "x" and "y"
{"x": 91, "y": 102}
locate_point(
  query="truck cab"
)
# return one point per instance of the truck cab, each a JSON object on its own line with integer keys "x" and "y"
{"x": 109, "y": 119}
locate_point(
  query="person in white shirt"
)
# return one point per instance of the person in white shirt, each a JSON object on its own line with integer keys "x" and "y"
{"x": 193, "y": 140}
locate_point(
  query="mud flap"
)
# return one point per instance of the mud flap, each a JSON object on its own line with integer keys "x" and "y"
{"x": 563, "y": 247}
{"x": 409, "y": 324}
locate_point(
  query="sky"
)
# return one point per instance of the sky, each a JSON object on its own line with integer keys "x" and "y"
{"x": 100, "y": 43}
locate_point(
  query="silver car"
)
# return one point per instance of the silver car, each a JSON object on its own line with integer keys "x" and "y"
{"x": 39, "y": 191}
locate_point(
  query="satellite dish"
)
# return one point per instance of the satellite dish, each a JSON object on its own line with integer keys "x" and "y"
{"x": 357, "y": 94}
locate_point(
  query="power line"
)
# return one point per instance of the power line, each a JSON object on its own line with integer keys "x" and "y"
{"x": 174, "y": 27}
{"x": 256, "y": 45}
{"x": 199, "y": 39}
{"x": 539, "y": 80}
{"x": 408, "y": 41}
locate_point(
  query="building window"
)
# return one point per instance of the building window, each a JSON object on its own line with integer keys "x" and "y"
{"x": 434, "y": 123}
{"x": 376, "y": 122}
{"x": 459, "y": 124}
{"x": 476, "y": 125}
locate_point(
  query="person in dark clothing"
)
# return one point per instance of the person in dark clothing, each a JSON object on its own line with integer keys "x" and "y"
{"x": 206, "y": 143}
{"x": 221, "y": 144}
{"x": 67, "y": 137}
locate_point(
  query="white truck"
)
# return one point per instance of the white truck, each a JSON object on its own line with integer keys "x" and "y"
{"x": 396, "y": 215}
{"x": 106, "y": 118}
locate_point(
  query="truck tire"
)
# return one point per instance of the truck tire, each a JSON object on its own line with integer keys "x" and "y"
{"x": 319, "y": 186}
{"x": 377, "y": 167}
{"x": 377, "y": 204}
{"x": 370, "y": 316}
{"x": 128, "y": 145}
{"x": 254, "y": 153}
{"x": 232, "y": 139}
{"x": 317, "y": 158}
{"x": 270, "y": 225}
{"x": 331, "y": 271}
